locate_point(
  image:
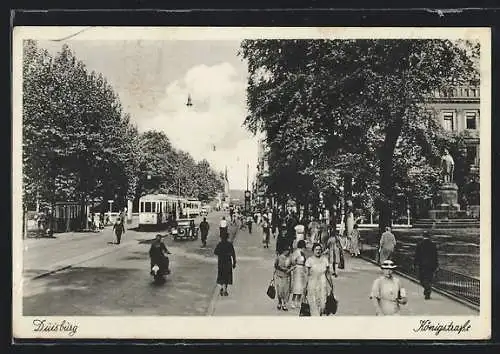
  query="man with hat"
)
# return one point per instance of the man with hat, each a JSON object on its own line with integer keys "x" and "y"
{"x": 426, "y": 261}
{"x": 387, "y": 294}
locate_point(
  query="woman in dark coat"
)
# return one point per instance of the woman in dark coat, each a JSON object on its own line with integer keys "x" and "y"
{"x": 282, "y": 241}
{"x": 226, "y": 262}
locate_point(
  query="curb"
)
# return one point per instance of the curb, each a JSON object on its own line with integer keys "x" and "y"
{"x": 439, "y": 291}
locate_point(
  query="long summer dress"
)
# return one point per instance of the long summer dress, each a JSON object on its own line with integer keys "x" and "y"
{"x": 317, "y": 285}
{"x": 355, "y": 242}
{"x": 387, "y": 245}
{"x": 226, "y": 256}
{"x": 299, "y": 234}
{"x": 299, "y": 273}
{"x": 282, "y": 278}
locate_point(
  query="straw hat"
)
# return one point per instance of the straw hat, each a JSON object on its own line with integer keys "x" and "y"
{"x": 388, "y": 264}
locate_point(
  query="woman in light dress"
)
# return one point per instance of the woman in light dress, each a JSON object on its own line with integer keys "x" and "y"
{"x": 282, "y": 278}
{"x": 299, "y": 273}
{"x": 333, "y": 249}
{"x": 354, "y": 238}
{"x": 299, "y": 233}
{"x": 318, "y": 279}
{"x": 387, "y": 294}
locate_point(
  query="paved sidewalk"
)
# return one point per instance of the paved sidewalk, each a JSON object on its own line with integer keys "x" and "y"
{"x": 352, "y": 287}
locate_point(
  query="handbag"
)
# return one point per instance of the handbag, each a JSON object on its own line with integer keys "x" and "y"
{"x": 271, "y": 289}
{"x": 341, "y": 262}
{"x": 305, "y": 309}
{"x": 332, "y": 304}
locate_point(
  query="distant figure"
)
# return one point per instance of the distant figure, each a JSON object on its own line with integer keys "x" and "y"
{"x": 354, "y": 241}
{"x": 225, "y": 264}
{"x": 426, "y": 261}
{"x": 223, "y": 227}
{"x": 314, "y": 230}
{"x": 249, "y": 223}
{"x": 204, "y": 227}
{"x": 119, "y": 230}
{"x": 387, "y": 245}
{"x": 266, "y": 230}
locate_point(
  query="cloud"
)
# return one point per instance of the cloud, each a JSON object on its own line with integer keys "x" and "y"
{"x": 215, "y": 119}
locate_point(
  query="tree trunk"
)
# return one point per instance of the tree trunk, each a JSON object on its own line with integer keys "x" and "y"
{"x": 386, "y": 175}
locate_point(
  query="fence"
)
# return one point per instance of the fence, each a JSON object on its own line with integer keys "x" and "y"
{"x": 460, "y": 286}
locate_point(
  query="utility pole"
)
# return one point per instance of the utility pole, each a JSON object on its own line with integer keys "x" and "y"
{"x": 247, "y": 175}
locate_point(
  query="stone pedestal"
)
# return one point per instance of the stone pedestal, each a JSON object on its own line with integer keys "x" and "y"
{"x": 449, "y": 197}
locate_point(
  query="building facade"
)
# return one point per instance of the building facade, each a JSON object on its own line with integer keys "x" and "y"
{"x": 260, "y": 193}
{"x": 458, "y": 111}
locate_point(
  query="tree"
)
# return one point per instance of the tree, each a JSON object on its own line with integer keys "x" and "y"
{"x": 77, "y": 143}
{"x": 328, "y": 98}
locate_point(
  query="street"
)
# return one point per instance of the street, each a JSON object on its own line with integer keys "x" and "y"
{"x": 115, "y": 279}
{"x": 107, "y": 279}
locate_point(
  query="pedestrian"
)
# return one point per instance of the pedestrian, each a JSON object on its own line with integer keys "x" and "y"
{"x": 226, "y": 262}
{"x": 266, "y": 230}
{"x": 387, "y": 294}
{"x": 299, "y": 273}
{"x": 204, "y": 227}
{"x": 299, "y": 233}
{"x": 426, "y": 261}
{"x": 314, "y": 230}
{"x": 249, "y": 223}
{"x": 333, "y": 251}
{"x": 282, "y": 278}
{"x": 275, "y": 223}
{"x": 290, "y": 230}
{"x": 119, "y": 230}
{"x": 354, "y": 241}
{"x": 318, "y": 279}
{"x": 281, "y": 240}
{"x": 387, "y": 245}
{"x": 223, "y": 227}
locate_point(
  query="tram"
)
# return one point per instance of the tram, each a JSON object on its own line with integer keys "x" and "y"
{"x": 193, "y": 207}
{"x": 157, "y": 209}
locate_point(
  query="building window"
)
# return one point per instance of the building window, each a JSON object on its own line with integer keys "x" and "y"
{"x": 472, "y": 158}
{"x": 471, "y": 120}
{"x": 448, "y": 120}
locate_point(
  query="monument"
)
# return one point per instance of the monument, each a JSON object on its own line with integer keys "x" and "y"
{"x": 448, "y": 213}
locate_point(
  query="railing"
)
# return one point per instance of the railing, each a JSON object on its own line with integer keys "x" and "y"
{"x": 458, "y": 92}
{"x": 457, "y": 285}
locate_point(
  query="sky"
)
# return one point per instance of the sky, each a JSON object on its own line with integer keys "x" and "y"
{"x": 153, "y": 80}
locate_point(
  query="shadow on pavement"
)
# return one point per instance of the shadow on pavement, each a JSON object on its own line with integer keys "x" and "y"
{"x": 93, "y": 291}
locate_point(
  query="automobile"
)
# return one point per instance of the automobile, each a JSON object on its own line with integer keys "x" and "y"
{"x": 186, "y": 230}
{"x": 204, "y": 211}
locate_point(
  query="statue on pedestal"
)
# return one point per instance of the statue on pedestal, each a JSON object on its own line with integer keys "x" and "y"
{"x": 448, "y": 167}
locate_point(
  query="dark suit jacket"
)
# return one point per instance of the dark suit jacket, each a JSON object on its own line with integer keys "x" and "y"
{"x": 426, "y": 256}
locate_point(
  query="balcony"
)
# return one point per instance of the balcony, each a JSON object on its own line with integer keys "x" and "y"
{"x": 458, "y": 92}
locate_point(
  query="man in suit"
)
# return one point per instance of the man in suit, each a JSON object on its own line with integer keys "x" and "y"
{"x": 426, "y": 261}
{"x": 204, "y": 227}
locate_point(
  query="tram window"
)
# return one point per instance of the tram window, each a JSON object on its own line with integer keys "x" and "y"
{"x": 147, "y": 207}
{"x": 153, "y": 207}
{"x": 141, "y": 207}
